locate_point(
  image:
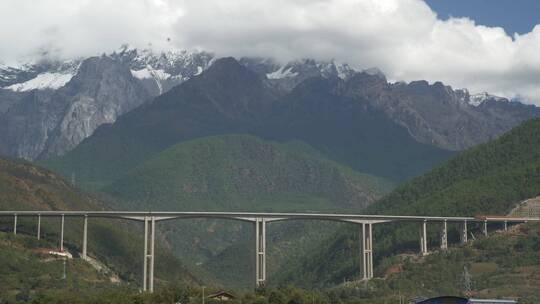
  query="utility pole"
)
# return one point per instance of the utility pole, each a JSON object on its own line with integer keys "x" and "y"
{"x": 467, "y": 282}
{"x": 64, "y": 273}
{"x": 203, "y": 294}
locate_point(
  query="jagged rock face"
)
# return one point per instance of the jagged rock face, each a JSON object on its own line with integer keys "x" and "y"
{"x": 88, "y": 93}
{"x": 74, "y": 98}
{"x": 159, "y": 72}
{"x": 438, "y": 115}
{"x": 284, "y": 78}
{"x": 49, "y": 107}
{"x": 101, "y": 91}
{"x": 12, "y": 77}
{"x": 50, "y": 122}
{"x": 26, "y": 124}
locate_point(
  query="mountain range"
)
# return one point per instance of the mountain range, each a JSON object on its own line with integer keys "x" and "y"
{"x": 48, "y": 107}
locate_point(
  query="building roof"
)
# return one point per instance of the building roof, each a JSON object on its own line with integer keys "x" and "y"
{"x": 221, "y": 293}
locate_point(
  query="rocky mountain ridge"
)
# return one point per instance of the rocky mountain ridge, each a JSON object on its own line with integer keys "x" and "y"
{"x": 43, "y": 122}
{"x": 43, "y": 118}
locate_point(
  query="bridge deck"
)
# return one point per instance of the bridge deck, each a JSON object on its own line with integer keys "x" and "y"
{"x": 164, "y": 215}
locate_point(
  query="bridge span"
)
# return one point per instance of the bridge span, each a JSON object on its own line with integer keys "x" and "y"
{"x": 364, "y": 222}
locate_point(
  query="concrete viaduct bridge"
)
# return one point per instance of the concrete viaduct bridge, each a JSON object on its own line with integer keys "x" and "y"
{"x": 364, "y": 222}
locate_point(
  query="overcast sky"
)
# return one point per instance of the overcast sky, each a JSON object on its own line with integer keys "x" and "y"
{"x": 404, "y": 38}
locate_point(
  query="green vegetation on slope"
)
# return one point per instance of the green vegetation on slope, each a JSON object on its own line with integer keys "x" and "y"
{"x": 488, "y": 179}
{"x": 491, "y": 274}
{"x": 24, "y": 186}
{"x": 242, "y": 172}
{"x": 504, "y": 265}
{"x": 26, "y": 269}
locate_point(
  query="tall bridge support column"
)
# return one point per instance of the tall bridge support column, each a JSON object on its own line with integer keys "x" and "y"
{"x": 444, "y": 236}
{"x": 464, "y": 232}
{"x": 505, "y": 225}
{"x": 423, "y": 238}
{"x": 39, "y": 227}
{"x": 62, "y": 235}
{"x": 485, "y": 229}
{"x": 85, "y": 237}
{"x": 260, "y": 252}
{"x": 149, "y": 242}
{"x": 152, "y": 243}
{"x": 366, "y": 251}
{"x": 145, "y": 262}
{"x": 15, "y": 224}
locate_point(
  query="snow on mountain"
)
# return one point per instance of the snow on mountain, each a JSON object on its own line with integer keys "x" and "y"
{"x": 150, "y": 72}
{"x": 158, "y": 76}
{"x": 299, "y": 69}
{"x": 104, "y": 87}
{"x": 160, "y": 71}
{"x": 477, "y": 99}
{"x": 374, "y": 72}
{"x": 44, "y": 74}
{"x": 43, "y": 81}
{"x": 177, "y": 63}
{"x": 282, "y": 72}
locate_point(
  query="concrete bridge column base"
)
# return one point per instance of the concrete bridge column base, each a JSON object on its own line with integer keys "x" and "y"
{"x": 366, "y": 251}
{"x": 464, "y": 232}
{"x": 149, "y": 241}
{"x": 260, "y": 252}
{"x": 423, "y": 239}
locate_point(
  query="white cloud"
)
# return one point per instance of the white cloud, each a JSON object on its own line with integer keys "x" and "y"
{"x": 71, "y": 28}
{"x": 403, "y": 38}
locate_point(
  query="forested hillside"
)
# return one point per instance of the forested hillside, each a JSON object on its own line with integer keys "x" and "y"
{"x": 24, "y": 186}
{"x": 27, "y": 270}
{"x": 488, "y": 179}
{"x": 242, "y": 173}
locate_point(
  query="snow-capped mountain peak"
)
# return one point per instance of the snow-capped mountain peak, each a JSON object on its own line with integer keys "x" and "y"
{"x": 46, "y": 74}
{"x": 374, "y": 72}
{"x": 42, "y": 81}
{"x": 282, "y": 72}
{"x": 305, "y": 68}
{"x": 160, "y": 71}
{"x": 477, "y": 99}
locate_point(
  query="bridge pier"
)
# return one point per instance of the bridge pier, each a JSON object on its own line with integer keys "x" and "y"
{"x": 464, "y": 233}
{"x": 260, "y": 252}
{"x": 62, "y": 235}
{"x": 505, "y": 225}
{"x": 145, "y": 262}
{"x": 85, "y": 237}
{"x": 423, "y": 239}
{"x": 15, "y": 224}
{"x": 444, "y": 236}
{"x": 39, "y": 227}
{"x": 149, "y": 239}
{"x": 366, "y": 251}
{"x": 485, "y": 229}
